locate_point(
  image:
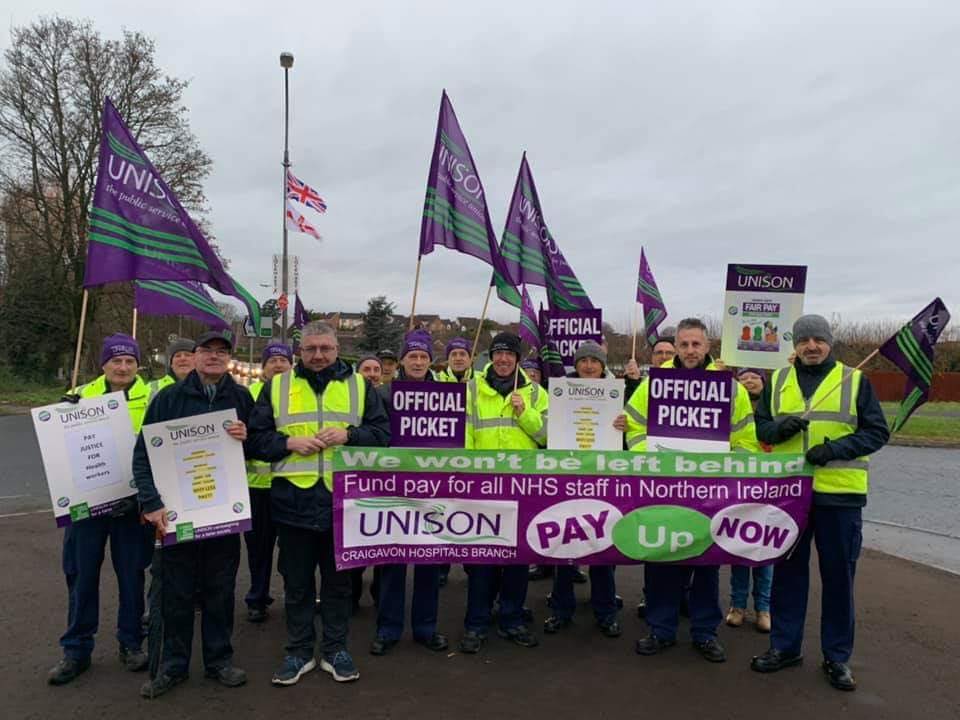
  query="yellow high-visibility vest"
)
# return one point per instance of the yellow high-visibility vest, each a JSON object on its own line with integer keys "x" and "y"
{"x": 299, "y": 412}
{"x": 491, "y": 423}
{"x": 138, "y": 397}
{"x": 834, "y": 417}
{"x": 258, "y": 471}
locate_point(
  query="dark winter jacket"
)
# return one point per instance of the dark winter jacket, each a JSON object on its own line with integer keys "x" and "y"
{"x": 181, "y": 400}
{"x": 311, "y": 508}
{"x": 386, "y": 392}
{"x": 871, "y": 433}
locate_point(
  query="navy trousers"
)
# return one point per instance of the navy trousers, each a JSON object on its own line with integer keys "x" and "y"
{"x": 838, "y": 532}
{"x": 423, "y": 610}
{"x": 482, "y": 588}
{"x": 664, "y": 588}
{"x": 84, "y": 542}
{"x": 260, "y": 541}
{"x": 603, "y": 592}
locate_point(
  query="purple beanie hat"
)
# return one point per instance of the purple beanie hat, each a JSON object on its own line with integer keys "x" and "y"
{"x": 275, "y": 350}
{"x": 417, "y": 340}
{"x": 116, "y": 345}
{"x": 458, "y": 343}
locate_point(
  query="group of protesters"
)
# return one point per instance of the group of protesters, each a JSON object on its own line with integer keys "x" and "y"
{"x": 306, "y": 405}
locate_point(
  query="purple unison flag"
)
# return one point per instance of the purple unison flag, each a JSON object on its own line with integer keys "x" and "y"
{"x": 455, "y": 213}
{"x": 300, "y": 318}
{"x": 654, "y": 311}
{"x": 911, "y": 350}
{"x": 551, "y": 361}
{"x": 186, "y": 298}
{"x": 428, "y": 414}
{"x": 529, "y": 251}
{"x": 138, "y": 228}
{"x": 529, "y": 327}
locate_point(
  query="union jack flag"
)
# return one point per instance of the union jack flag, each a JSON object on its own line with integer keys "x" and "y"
{"x": 298, "y": 223}
{"x": 304, "y": 194}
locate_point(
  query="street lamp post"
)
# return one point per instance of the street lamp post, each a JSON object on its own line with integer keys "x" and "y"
{"x": 286, "y": 62}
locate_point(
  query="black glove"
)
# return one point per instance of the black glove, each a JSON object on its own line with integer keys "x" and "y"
{"x": 820, "y": 454}
{"x": 70, "y": 398}
{"x": 789, "y": 426}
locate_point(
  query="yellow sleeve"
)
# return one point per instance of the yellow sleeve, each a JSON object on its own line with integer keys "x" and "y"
{"x": 743, "y": 429}
{"x": 636, "y": 412}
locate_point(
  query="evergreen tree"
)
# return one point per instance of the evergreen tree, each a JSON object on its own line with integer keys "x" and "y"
{"x": 380, "y": 328}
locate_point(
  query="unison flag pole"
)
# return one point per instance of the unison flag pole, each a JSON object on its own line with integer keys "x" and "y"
{"x": 846, "y": 376}
{"x": 76, "y": 355}
{"x": 133, "y": 332}
{"x": 483, "y": 316}
{"x": 416, "y": 285}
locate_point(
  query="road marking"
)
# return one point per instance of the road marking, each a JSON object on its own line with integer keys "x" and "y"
{"x": 911, "y": 527}
{"x": 21, "y": 514}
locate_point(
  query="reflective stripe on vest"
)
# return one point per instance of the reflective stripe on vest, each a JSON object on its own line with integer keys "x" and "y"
{"x": 835, "y": 416}
{"x": 298, "y": 412}
{"x": 258, "y": 471}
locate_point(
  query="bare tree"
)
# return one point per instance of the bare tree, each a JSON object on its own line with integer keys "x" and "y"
{"x": 56, "y": 75}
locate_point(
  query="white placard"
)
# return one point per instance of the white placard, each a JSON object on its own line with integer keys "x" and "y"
{"x": 582, "y": 413}
{"x": 87, "y": 452}
{"x": 200, "y": 473}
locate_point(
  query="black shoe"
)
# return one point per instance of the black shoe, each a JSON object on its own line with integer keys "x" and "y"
{"x": 773, "y": 660}
{"x": 519, "y": 635}
{"x": 382, "y": 645}
{"x": 471, "y": 642}
{"x": 160, "y": 685}
{"x": 711, "y": 650}
{"x": 256, "y": 614}
{"x": 538, "y": 572}
{"x": 554, "y": 624}
{"x": 651, "y": 644}
{"x": 610, "y": 628}
{"x": 67, "y": 670}
{"x": 437, "y": 642}
{"x": 133, "y": 660}
{"x": 227, "y": 675}
{"x": 579, "y": 576}
{"x": 839, "y": 675}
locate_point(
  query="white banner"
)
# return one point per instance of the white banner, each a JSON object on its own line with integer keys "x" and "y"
{"x": 582, "y": 413}
{"x": 87, "y": 451}
{"x": 200, "y": 473}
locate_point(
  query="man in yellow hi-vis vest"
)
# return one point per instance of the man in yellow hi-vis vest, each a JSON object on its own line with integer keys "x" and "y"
{"x": 131, "y": 544}
{"x": 300, "y": 417}
{"x": 262, "y": 536}
{"x": 828, "y": 411}
{"x": 665, "y": 582}
{"x": 501, "y": 417}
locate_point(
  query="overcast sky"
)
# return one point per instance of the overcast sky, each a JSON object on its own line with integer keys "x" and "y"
{"x": 821, "y": 133}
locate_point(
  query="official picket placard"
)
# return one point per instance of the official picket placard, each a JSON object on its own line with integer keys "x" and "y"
{"x": 200, "y": 473}
{"x": 760, "y": 306}
{"x": 569, "y": 329}
{"x": 560, "y": 506}
{"x": 87, "y": 451}
{"x": 582, "y": 412}
{"x": 428, "y": 414}
{"x": 689, "y": 410}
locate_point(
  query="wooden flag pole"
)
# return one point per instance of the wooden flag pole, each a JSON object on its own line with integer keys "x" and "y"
{"x": 483, "y": 316}
{"x": 76, "y": 355}
{"x": 516, "y": 376}
{"x": 416, "y": 285}
{"x": 846, "y": 376}
{"x": 133, "y": 334}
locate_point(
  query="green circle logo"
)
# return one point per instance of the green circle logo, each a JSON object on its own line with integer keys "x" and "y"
{"x": 663, "y": 533}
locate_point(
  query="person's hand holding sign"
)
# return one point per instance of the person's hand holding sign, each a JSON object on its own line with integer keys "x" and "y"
{"x": 158, "y": 518}
{"x": 237, "y": 430}
{"x": 620, "y": 423}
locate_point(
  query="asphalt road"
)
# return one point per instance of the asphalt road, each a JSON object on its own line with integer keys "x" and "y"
{"x": 912, "y": 510}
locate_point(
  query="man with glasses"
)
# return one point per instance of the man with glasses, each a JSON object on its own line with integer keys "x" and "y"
{"x": 205, "y": 568}
{"x": 300, "y": 417}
